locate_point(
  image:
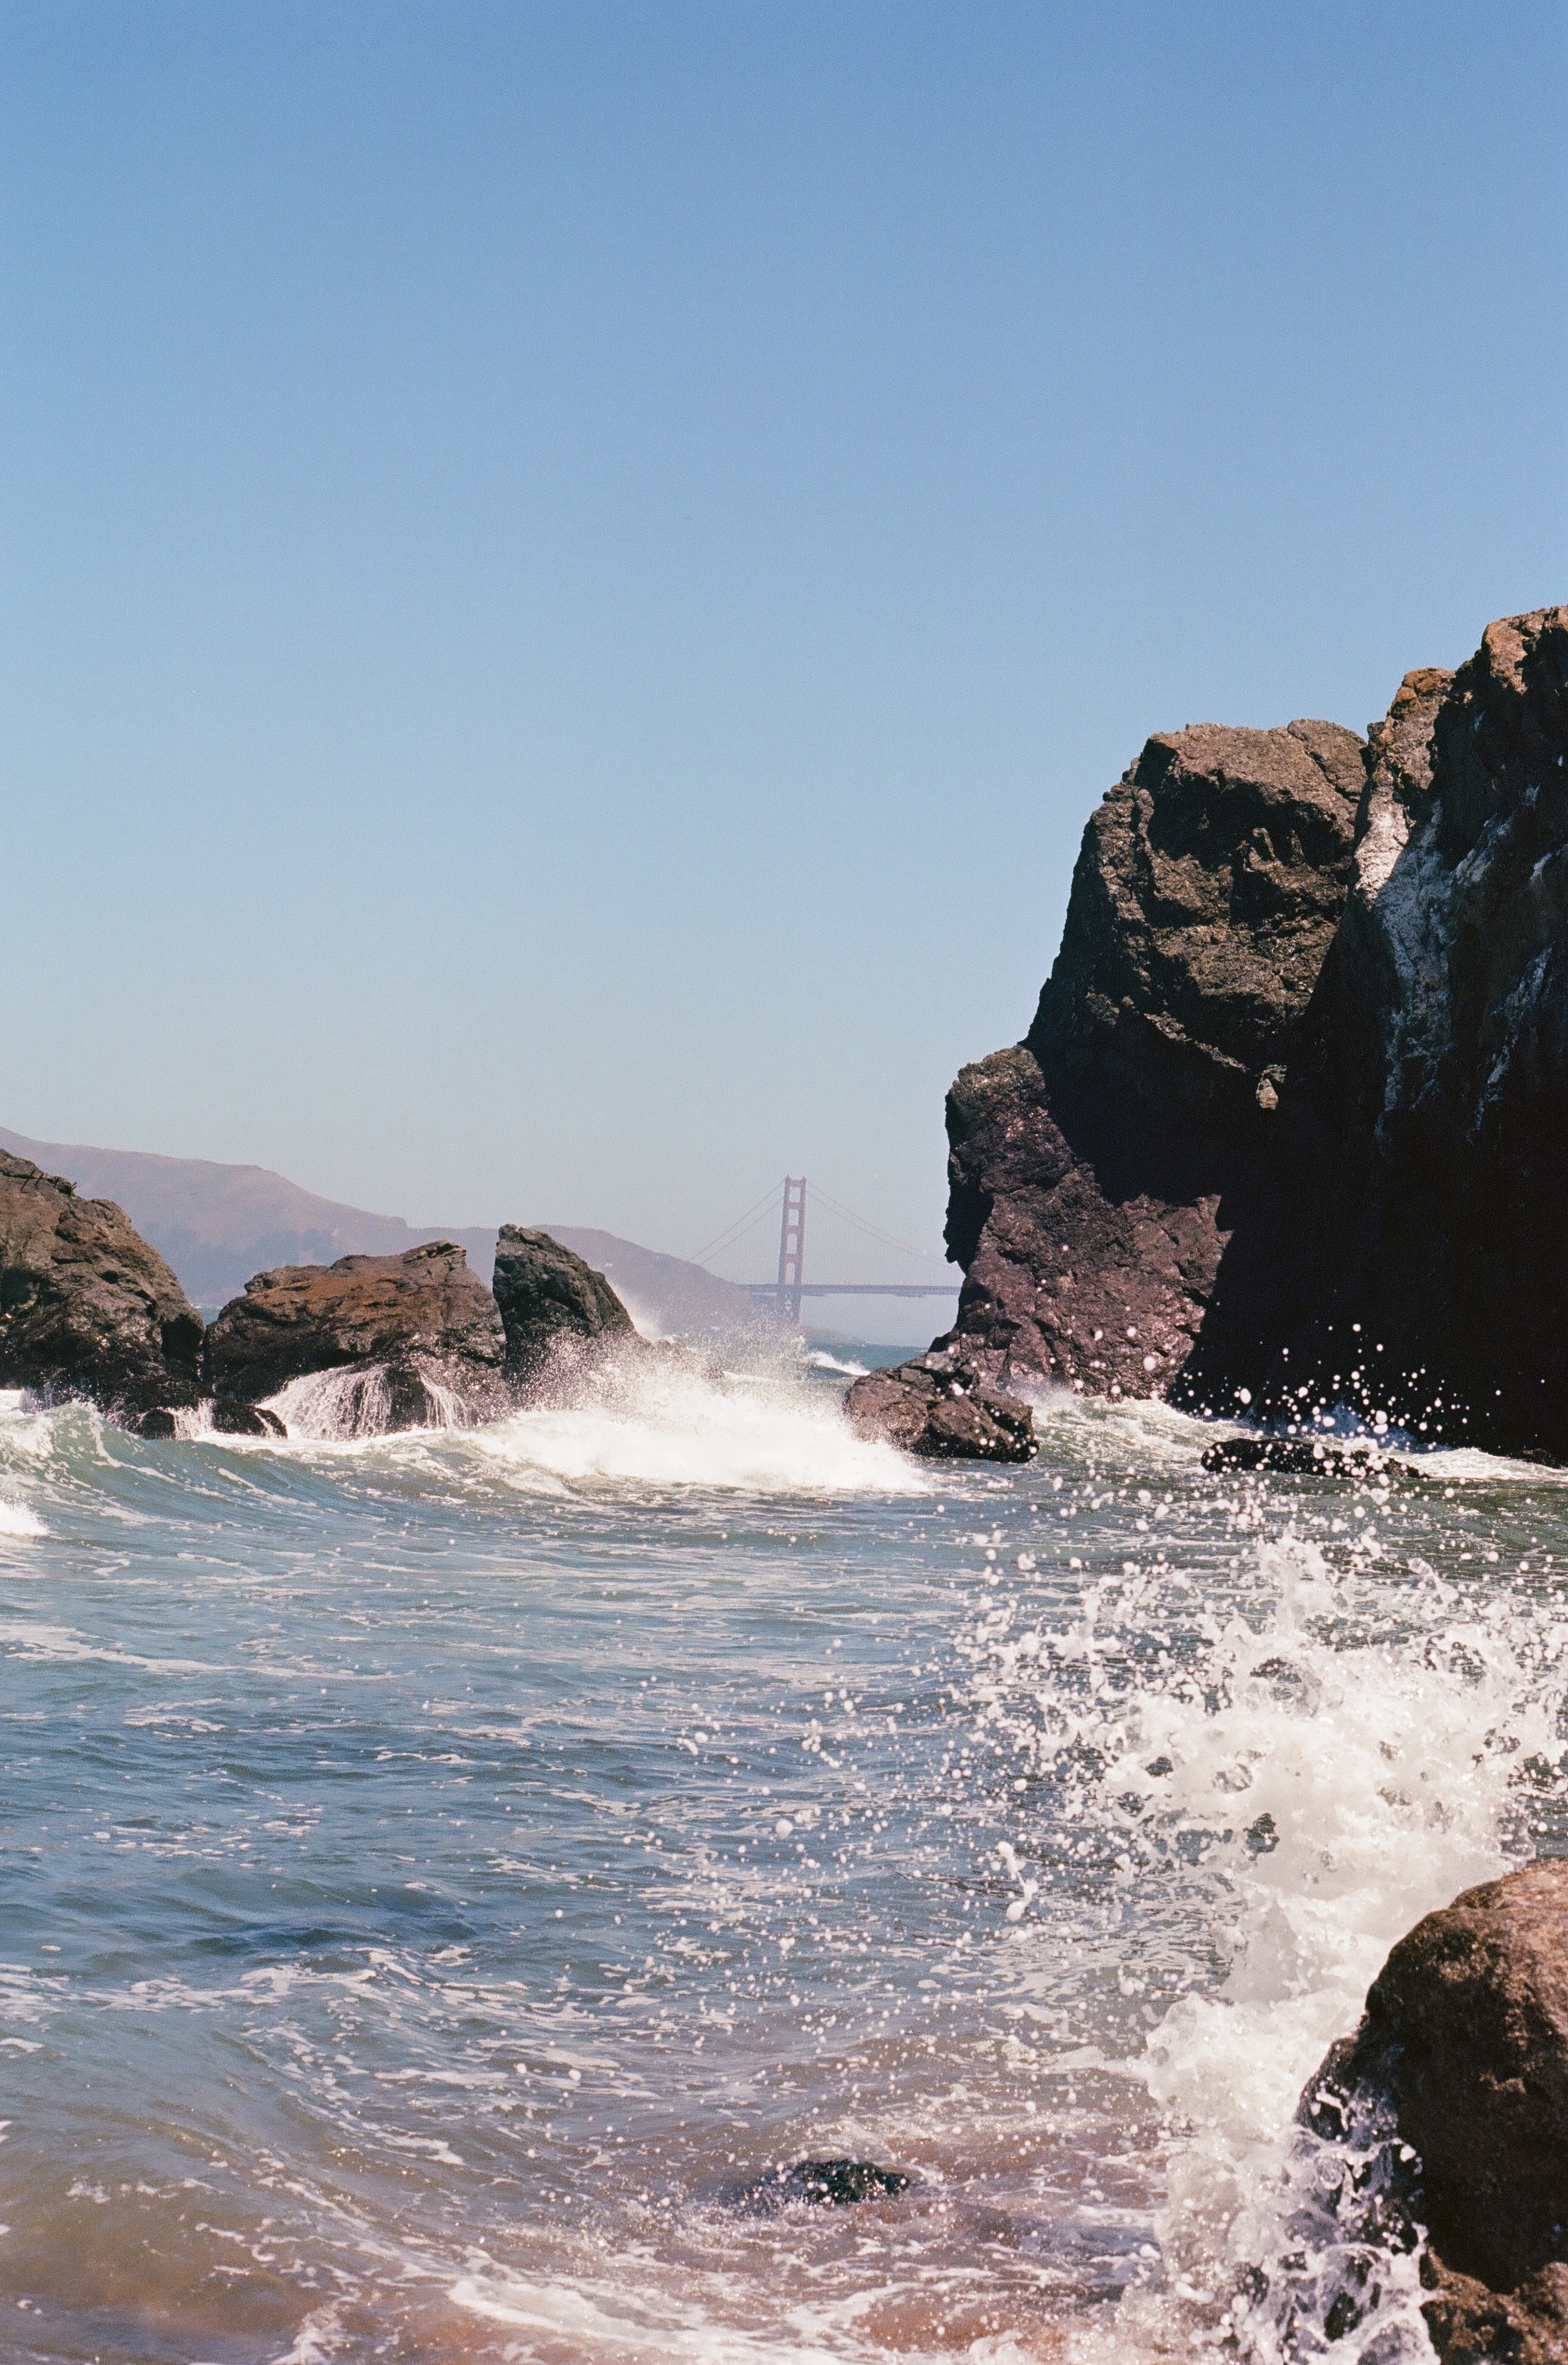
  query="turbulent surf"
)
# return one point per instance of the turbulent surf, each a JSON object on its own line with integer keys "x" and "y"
{"x": 446, "y": 1873}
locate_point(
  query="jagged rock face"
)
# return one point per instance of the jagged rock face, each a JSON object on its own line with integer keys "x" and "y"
{"x": 1087, "y": 1163}
{"x": 940, "y": 1408}
{"x": 1416, "y": 1184}
{"x": 1466, "y": 2037}
{"x": 420, "y": 1332}
{"x": 560, "y": 1316}
{"x": 87, "y": 1308}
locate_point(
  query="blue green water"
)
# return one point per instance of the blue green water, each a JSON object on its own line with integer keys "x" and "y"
{"x": 442, "y": 1872}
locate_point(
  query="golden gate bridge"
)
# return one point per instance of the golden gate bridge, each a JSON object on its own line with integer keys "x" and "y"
{"x": 790, "y": 1284}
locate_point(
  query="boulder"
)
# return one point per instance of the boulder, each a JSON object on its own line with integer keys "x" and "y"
{"x": 942, "y": 1407}
{"x": 417, "y": 1339}
{"x": 1465, "y": 2040}
{"x": 560, "y": 1316}
{"x": 1414, "y": 1187}
{"x": 87, "y": 1308}
{"x": 1088, "y": 1163}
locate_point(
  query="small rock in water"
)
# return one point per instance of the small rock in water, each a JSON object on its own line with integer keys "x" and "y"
{"x": 1324, "y": 1457}
{"x": 943, "y": 1408}
{"x": 231, "y": 1419}
{"x": 836, "y": 2183}
{"x": 158, "y": 1422}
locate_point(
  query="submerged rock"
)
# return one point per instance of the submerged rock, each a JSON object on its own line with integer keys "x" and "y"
{"x": 943, "y": 1408}
{"x": 560, "y": 1316}
{"x": 1315, "y": 1457}
{"x": 1465, "y": 2039}
{"x": 832, "y": 2183}
{"x": 1088, "y": 1163}
{"x": 409, "y": 1340}
{"x": 231, "y": 1419}
{"x": 87, "y": 1308}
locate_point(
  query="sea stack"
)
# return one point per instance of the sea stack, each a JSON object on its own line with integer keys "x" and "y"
{"x": 1415, "y": 1183}
{"x": 1286, "y": 1130}
{"x": 87, "y": 1308}
{"x": 1086, "y": 1164}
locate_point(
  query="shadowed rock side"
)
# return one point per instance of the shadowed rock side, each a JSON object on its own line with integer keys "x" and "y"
{"x": 87, "y": 1308}
{"x": 1465, "y": 2040}
{"x": 418, "y": 1333}
{"x": 561, "y": 1318}
{"x": 1087, "y": 1163}
{"x": 1418, "y": 1186}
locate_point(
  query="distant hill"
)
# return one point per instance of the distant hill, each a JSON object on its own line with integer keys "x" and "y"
{"x": 218, "y": 1225}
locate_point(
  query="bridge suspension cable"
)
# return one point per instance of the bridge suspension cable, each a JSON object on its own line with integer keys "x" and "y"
{"x": 790, "y": 1284}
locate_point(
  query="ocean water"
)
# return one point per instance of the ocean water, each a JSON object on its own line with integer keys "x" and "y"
{"x": 442, "y": 1873}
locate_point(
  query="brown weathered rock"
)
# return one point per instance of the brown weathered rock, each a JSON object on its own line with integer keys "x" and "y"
{"x": 87, "y": 1308}
{"x": 1416, "y": 1185}
{"x": 419, "y": 1328}
{"x": 1466, "y": 2037}
{"x": 941, "y": 1408}
{"x": 1087, "y": 1162}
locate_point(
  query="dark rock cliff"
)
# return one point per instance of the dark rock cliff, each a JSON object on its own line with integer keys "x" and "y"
{"x": 1287, "y": 1128}
{"x": 1417, "y": 1186}
{"x": 87, "y": 1308}
{"x": 1088, "y": 1161}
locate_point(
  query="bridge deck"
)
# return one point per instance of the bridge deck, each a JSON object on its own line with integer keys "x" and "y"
{"x": 851, "y": 1288}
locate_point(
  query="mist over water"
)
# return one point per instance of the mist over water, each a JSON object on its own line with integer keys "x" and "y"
{"x": 444, "y": 1871}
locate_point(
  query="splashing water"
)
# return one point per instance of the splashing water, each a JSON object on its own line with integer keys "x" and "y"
{"x": 447, "y": 1870}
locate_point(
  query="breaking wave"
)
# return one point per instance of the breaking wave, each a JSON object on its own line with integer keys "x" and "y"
{"x": 677, "y": 1428}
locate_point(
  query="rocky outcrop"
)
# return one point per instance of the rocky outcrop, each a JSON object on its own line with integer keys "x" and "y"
{"x": 561, "y": 1317}
{"x": 87, "y": 1308}
{"x": 1088, "y": 1163}
{"x": 942, "y": 1408}
{"x": 411, "y": 1340}
{"x": 1286, "y": 1130}
{"x": 1465, "y": 2040}
{"x": 1416, "y": 1188}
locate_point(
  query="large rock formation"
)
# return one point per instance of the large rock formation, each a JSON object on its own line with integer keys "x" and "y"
{"x": 1286, "y": 1130}
{"x": 87, "y": 1308}
{"x": 1465, "y": 2039}
{"x": 411, "y": 1340}
{"x": 561, "y": 1317}
{"x": 1087, "y": 1162}
{"x": 1417, "y": 1187}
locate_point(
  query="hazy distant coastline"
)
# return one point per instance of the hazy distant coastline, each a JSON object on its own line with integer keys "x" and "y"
{"x": 218, "y": 1225}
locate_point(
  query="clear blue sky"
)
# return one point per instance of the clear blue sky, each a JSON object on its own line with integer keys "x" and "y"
{"x": 572, "y": 573}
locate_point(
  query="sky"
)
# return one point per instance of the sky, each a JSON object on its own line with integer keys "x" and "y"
{"x": 571, "y": 574}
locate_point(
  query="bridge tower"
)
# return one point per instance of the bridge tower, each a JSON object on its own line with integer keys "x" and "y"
{"x": 792, "y": 1246}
